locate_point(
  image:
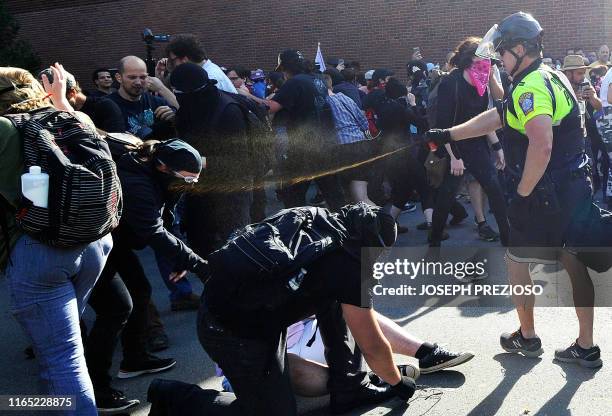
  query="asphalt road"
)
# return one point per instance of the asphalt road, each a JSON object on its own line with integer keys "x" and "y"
{"x": 493, "y": 383}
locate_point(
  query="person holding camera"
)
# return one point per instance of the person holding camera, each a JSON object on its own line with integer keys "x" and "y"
{"x": 145, "y": 115}
{"x": 575, "y": 70}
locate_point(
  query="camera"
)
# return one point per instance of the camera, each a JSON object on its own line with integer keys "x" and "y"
{"x": 149, "y": 37}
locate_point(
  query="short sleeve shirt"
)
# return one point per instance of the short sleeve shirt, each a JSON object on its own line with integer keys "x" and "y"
{"x": 605, "y": 87}
{"x": 532, "y": 98}
{"x": 139, "y": 116}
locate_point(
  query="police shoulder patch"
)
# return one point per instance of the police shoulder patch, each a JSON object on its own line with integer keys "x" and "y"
{"x": 526, "y": 102}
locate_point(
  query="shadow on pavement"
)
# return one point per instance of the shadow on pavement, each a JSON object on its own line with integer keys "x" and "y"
{"x": 448, "y": 379}
{"x": 515, "y": 367}
{"x": 574, "y": 376}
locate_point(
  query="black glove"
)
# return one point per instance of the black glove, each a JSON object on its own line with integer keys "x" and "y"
{"x": 518, "y": 211}
{"x": 405, "y": 388}
{"x": 201, "y": 269}
{"x": 438, "y": 136}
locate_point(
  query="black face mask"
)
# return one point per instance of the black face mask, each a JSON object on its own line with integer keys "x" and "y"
{"x": 168, "y": 182}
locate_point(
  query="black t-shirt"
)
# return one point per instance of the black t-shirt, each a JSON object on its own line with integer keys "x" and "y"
{"x": 138, "y": 116}
{"x": 298, "y": 96}
{"x": 105, "y": 114}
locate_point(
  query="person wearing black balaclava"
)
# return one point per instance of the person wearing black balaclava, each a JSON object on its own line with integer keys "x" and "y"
{"x": 213, "y": 123}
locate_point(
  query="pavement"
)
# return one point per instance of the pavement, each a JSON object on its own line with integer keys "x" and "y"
{"x": 493, "y": 383}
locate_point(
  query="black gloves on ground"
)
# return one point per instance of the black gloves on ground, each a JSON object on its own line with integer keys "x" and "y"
{"x": 438, "y": 136}
{"x": 405, "y": 388}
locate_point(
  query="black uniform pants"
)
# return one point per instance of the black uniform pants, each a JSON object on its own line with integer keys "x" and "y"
{"x": 257, "y": 370}
{"x": 121, "y": 303}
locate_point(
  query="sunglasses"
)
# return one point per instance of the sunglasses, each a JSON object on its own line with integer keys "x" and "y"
{"x": 187, "y": 179}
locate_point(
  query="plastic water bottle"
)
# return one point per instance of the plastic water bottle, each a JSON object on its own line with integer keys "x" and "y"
{"x": 35, "y": 186}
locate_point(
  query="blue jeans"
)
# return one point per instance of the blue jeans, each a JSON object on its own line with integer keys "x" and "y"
{"x": 49, "y": 288}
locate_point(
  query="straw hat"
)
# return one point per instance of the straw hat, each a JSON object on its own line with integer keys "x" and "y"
{"x": 572, "y": 62}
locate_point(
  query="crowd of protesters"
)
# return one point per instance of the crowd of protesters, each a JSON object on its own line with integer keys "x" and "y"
{"x": 344, "y": 135}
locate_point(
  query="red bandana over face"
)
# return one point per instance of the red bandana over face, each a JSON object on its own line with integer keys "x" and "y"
{"x": 479, "y": 75}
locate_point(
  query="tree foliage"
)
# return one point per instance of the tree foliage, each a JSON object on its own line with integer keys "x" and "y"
{"x": 13, "y": 51}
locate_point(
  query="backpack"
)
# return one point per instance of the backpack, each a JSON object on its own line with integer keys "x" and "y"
{"x": 432, "y": 101}
{"x": 260, "y": 136}
{"x": 262, "y": 264}
{"x": 85, "y": 199}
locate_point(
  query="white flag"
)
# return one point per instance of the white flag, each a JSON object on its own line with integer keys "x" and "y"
{"x": 319, "y": 58}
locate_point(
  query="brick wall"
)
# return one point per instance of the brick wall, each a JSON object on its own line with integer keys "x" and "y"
{"x": 87, "y": 34}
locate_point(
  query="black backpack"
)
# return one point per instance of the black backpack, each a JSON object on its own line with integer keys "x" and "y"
{"x": 85, "y": 198}
{"x": 262, "y": 264}
{"x": 261, "y": 140}
{"x": 432, "y": 102}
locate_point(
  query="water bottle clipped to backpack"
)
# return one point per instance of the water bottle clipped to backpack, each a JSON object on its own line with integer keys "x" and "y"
{"x": 71, "y": 194}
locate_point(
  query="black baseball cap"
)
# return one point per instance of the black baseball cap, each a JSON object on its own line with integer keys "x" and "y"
{"x": 289, "y": 56}
{"x": 381, "y": 73}
{"x": 179, "y": 155}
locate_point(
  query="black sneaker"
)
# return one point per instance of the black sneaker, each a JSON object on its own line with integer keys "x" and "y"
{"x": 590, "y": 358}
{"x": 515, "y": 342}
{"x": 424, "y": 226}
{"x": 109, "y": 400}
{"x": 486, "y": 233}
{"x": 148, "y": 364}
{"x": 440, "y": 359}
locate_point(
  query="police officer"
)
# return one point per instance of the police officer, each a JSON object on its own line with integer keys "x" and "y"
{"x": 546, "y": 154}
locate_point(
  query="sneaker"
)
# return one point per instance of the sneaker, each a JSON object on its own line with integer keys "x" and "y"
{"x": 590, "y": 357}
{"x": 148, "y": 364}
{"x": 157, "y": 342}
{"x": 191, "y": 302}
{"x": 424, "y": 226}
{"x": 109, "y": 400}
{"x": 409, "y": 207}
{"x": 439, "y": 359}
{"x": 407, "y": 370}
{"x": 456, "y": 220}
{"x": 486, "y": 233}
{"x": 516, "y": 343}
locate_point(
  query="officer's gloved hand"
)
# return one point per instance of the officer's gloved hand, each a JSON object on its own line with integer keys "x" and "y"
{"x": 438, "y": 136}
{"x": 518, "y": 211}
{"x": 202, "y": 270}
{"x": 405, "y": 388}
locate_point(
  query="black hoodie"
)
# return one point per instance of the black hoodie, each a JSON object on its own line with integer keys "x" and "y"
{"x": 144, "y": 199}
